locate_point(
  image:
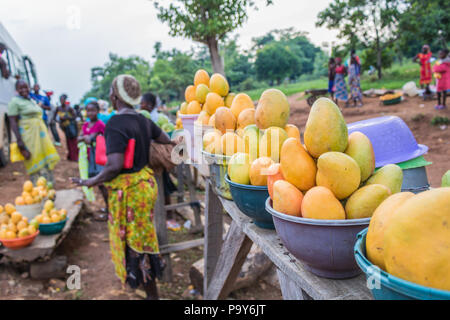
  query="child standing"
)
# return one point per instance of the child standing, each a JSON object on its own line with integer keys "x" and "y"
{"x": 443, "y": 78}
{"x": 90, "y": 130}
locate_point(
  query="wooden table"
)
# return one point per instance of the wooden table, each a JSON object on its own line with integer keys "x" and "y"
{"x": 224, "y": 258}
{"x": 44, "y": 245}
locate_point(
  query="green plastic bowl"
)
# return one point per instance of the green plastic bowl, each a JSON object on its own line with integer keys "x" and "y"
{"x": 52, "y": 228}
{"x": 387, "y": 287}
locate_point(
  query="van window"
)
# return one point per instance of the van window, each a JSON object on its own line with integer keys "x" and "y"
{"x": 20, "y": 68}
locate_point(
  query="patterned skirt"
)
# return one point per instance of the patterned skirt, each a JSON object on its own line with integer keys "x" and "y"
{"x": 341, "y": 87}
{"x": 132, "y": 234}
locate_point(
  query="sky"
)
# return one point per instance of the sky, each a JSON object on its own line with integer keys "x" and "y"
{"x": 65, "y": 39}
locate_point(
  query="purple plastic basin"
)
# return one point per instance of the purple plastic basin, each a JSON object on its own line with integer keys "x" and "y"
{"x": 324, "y": 246}
{"x": 392, "y": 140}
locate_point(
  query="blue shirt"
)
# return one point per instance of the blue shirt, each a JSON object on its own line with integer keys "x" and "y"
{"x": 45, "y": 101}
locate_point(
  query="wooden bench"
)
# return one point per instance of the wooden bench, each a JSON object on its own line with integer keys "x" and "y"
{"x": 224, "y": 258}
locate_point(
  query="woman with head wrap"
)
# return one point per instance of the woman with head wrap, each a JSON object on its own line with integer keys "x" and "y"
{"x": 132, "y": 192}
{"x": 339, "y": 82}
{"x": 25, "y": 117}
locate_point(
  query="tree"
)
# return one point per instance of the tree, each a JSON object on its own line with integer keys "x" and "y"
{"x": 372, "y": 23}
{"x": 275, "y": 62}
{"x": 238, "y": 66}
{"x": 102, "y": 77}
{"x": 205, "y": 21}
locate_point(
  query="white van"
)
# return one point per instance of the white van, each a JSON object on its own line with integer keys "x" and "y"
{"x": 18, "y": 65}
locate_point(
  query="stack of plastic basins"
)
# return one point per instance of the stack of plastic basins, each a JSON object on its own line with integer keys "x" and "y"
{"x": 394, "y": 143}
{"x": 188, "y": 126}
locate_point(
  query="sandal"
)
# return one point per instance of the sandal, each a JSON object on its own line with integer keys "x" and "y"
{"x": 102, "y": 215}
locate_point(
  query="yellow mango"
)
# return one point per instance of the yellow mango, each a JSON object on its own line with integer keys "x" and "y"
{"x": 363, "y": 202}
{"x": 320, "y": 203}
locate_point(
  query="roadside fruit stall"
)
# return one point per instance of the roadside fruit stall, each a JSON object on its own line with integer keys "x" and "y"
{"x": 308, "y": 200}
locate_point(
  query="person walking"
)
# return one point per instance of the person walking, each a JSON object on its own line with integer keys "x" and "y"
{"x": 132, "y": 192}
{"x": 331, "y": 76}
{"x": 354, "y": 82}
{"x": 339, "y": 82}
{"x": 25, "y": 117}
{"x": 68, "y": 124}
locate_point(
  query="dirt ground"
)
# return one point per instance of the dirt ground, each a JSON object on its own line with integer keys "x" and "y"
{"x": 87, "y": 243}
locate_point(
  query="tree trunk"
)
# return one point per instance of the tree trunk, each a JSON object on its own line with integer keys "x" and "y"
{"x": 379, "y": 63}
{"x": 216, "y": 59}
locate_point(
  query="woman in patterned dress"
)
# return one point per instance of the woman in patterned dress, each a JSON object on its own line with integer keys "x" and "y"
{"x": 132, "y": 192}
{"x": 339, "y": 82}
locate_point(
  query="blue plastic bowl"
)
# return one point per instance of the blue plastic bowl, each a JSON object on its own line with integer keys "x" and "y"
{"x": 52, "y": 228}
{"x": 392, "y": 140}
{"x": 251, "y": 200}
{"x": 390, "y": 287}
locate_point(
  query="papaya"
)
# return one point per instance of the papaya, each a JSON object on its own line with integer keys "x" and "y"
{"x": 239, "y": 168}
{"x": 258, "y": 171}
{"x": 339, "y": 173}
{"x": 390, "y": 175}
{"x": 361, "y": 150}
{"x": 325, "y": 129}
{"x": 297, "y": 165}
{"x": 417, "y": 240}
{"x": 274, "y": 173}
{"x": 378, "y": 223}
{"x": 219, "y": 84}
{"x": 241, "y": 102}
{"x": 271, "y": 143}
{"x": 212, "y": 102}
{"x": 292, "y": 131}
{"x": 246, "y": 118}
{"x": 320, "y": 203}
{"x": 287, "y": 198}
{"x": 189, "y": 93}
{"x": 363, "y": 202}
{"x": 201, "y": 77}
{"x": 272, "y": 109}
{"x": 224, "y": 120}
{"x": 200, "y": 92}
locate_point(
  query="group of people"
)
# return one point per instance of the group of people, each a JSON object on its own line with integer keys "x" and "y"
{"x": 440, "y": 72}
{"x": 337, "y": 86}
{"x": 130, "y": 193}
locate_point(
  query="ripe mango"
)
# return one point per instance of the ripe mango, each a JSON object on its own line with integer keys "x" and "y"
{"x": 364, "y": 202}
{"x": 325, "y": 129}
{"x": 239, "y": 168}
{"x": 241, "y": 102}
{"x": 292, "y": 131}
{"x": 271, "y": 143}
{"x": 251, "y": 141}
{"x": 258, "y": 171}
{"x": 229, "y": 99}
{"x": 189, "y": 93}
{"x": 212, "y": 141}
{"x": 320, "y": 203}
{"x": 224, "y": 120}
{"x": 297, "y": 165}
{"x": 194, "y": 107}
{"x": 274, "y": 174}
{"x": 390, "y": 175}
{"x": 200, "y": 92}
{"x": 339, "y": 173}
{"x": 361, "y": 150}
{"x": 272, "y": 109}
{"x": 246, "y": 118}
{"x": 231, "y": 143}
{"x": 219, "y": 84}
{"x": 203, "y": 119}
{"x": 417, "y": 240}
{"x": 212, "y": 102}
{"x": 287, "y": 198}
{"x": 378, "y": 223}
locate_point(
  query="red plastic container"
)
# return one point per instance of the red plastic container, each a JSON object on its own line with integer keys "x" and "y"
{"x": 20, "y": 242}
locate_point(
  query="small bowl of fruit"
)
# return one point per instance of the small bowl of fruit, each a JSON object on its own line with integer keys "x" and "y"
{"x": 15, "y": 230}
{"x": 51, "y": 220}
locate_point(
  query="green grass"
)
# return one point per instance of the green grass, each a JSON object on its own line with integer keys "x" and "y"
{"x": 393, "y": 78}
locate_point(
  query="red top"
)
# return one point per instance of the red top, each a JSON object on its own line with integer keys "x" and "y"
{"x": 443, "y": 84}
{"x": 425, "y": 67}
{"x": 340, "y": 69}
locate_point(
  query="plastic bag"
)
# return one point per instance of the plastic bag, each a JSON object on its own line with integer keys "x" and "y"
{"x": 14, "y": 153}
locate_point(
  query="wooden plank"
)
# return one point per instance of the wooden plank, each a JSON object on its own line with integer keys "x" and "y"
{"x": 213, "y": 233}
{"x": 232, "y": 256}
{"x": 44, "y": 245}
{"x": 180, "y": 246}
{"x": 289, "y": 289}
{"x": 161, "y": 228}
{"x": 317, "y": 288}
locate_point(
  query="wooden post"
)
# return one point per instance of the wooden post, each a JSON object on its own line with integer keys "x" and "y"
{"x": 192, "y": 197}
{"x": 180, "y": 178}
{"x": 289, "y": 288}
{"x": 232, "y": 256}
{"x": 213, "y": 233}
{"x": 161, "y": 228}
